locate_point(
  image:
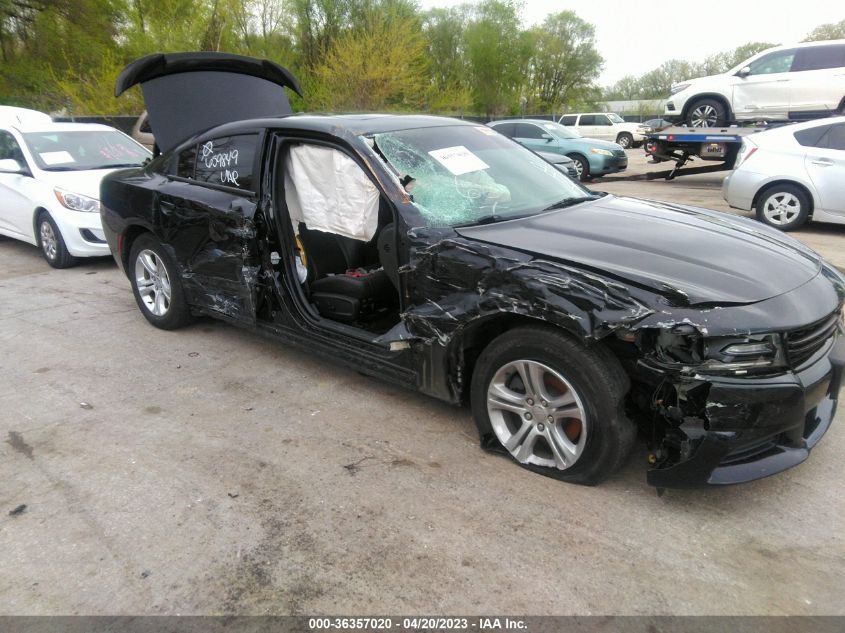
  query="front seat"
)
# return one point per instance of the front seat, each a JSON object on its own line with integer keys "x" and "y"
{"x": 340, "y": 288}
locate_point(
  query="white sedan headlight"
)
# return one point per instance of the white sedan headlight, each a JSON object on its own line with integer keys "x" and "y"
{"x": 603, "y": 152}
{"x": 677, "y": 88}
{"x": 76, "y": 201}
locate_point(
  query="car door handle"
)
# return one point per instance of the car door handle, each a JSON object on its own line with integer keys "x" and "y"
{"x": 823, "y": 162}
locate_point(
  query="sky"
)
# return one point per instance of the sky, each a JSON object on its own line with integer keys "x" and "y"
{"x": 635, "y": 37}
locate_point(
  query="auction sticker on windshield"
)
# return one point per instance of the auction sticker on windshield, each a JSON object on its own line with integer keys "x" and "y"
{"x": 458, "y": 160}
{"x": 55, "y": 158}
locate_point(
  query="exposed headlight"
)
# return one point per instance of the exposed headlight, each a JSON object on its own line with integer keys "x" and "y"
{"x": 76, "y": 201}
{"x": 684, "y": 348}
{"x": 603, "y": 152}
{"x": 677, "y": 88}
{"x": 752, "y": 352}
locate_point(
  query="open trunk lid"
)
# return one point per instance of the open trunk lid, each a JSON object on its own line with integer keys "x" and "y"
{"x": 186, "y": 93}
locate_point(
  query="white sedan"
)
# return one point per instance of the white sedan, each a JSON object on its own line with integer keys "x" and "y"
{"x": 50, "y": 182}
{"x": 791, "y": 174}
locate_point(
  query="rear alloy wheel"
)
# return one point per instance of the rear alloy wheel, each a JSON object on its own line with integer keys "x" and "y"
{"x": 554, "y": 405}
{"x": 582, "y": 167}
{"x": 784, "y": 207}
{"x": 157, "y": 289}
{"x": 52, "y": 244}
{"x": 625, "y": 140}
{"x": 707, "y": 113}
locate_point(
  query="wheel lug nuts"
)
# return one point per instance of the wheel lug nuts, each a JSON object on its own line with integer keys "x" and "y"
{"x": 550, "y": 419}
{"x": 541, "y": 427}
{"x": 544, "y": 403}
{"x": 528, "y": 416}
{"x": 529, "y": 401}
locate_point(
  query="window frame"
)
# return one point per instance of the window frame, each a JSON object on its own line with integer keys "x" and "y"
{"x": 532, "y": 125}
{"x": 807, "y": 50}
{"x": 257, "y": 160}
{"x": 22, "y": 160}
{"x": 772, "y": 54}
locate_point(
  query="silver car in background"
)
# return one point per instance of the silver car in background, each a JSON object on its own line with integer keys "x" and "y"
{"x": 791, "y": 174}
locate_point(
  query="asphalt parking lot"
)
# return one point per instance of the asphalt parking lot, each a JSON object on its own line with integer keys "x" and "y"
{"x": 210, "y": 471}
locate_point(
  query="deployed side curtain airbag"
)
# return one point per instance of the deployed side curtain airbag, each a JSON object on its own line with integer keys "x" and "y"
{"x": 327, "y": 191}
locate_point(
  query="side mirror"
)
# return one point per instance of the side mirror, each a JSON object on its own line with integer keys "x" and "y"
{"x": 549, "y": 138}
{"x": 744, "y": 71}
{"x": 11, "y": 166}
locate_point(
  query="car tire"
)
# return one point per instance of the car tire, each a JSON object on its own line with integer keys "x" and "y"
{"x": 156, "y": 284}
{"x": 626, "y": 140}
{"x": 583, "y": 437}
{"x": 582, "y": 167}
{"x": 783, "y": 206}
{"x": 51, "y": 242}
{"x": 706, "y": 113}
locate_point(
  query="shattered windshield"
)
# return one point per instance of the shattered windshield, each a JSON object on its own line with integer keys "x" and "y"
{"x": 459, "y": 175}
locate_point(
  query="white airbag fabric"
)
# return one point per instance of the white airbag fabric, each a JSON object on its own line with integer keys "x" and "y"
{"x": 328, "y": 191}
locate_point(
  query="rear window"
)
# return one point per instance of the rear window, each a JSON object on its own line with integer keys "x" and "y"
{"x": 836, "y": 137}
{"x": 569, "y": 119}
{"x": 819, "y": 57}
{"x": 227, "y": 161}
{"x": 812, "y": 137}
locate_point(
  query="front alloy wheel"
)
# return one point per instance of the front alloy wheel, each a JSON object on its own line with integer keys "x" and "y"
{"x": 552, "y": 403}
{"x": 704, "y": 115}
{"x": 537, "y": 415}
{"x": 707, "y": 113}
{"x": 52, "y": 243}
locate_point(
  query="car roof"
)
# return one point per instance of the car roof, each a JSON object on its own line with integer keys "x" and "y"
{"x": 339, "y": 124}
{"x": 788, "y": 130}
{"x": 540, "y": 121}
{"x": 12, "y": 116}
{"x": 805, "y": 45}
{"x": 36, "y": 127}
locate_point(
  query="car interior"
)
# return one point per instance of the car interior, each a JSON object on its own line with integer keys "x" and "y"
{"x": 352, "y": 270}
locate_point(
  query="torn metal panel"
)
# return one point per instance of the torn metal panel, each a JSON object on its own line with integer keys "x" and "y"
{"x": 457, "y": 280}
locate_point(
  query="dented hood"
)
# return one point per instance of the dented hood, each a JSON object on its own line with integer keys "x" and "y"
{"x": 692, "y": 255}
{"x": 187, "y": 93}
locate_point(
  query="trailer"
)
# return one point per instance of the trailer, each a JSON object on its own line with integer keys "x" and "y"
{"x": 683, "y": 144}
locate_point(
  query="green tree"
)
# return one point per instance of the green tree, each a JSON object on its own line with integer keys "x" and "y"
{"x": 379, "y": 66}
{"x": 497, "y": 52}
{"x": 832, "y": 31}
{"x": 564, "y": 61}
{"x": 444, "y": 31}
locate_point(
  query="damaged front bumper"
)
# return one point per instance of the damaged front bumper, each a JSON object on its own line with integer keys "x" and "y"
{"x": 752, "y": 427}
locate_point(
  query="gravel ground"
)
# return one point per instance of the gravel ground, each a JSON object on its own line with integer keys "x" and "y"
{"x": 209, "y": 471}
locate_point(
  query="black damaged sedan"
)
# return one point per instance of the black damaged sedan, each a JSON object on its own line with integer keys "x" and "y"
{"x": 439, "y": 255}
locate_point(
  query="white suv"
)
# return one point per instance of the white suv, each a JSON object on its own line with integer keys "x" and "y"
{"x": 606, "y": 126}
{"x": 804, "y": 81}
